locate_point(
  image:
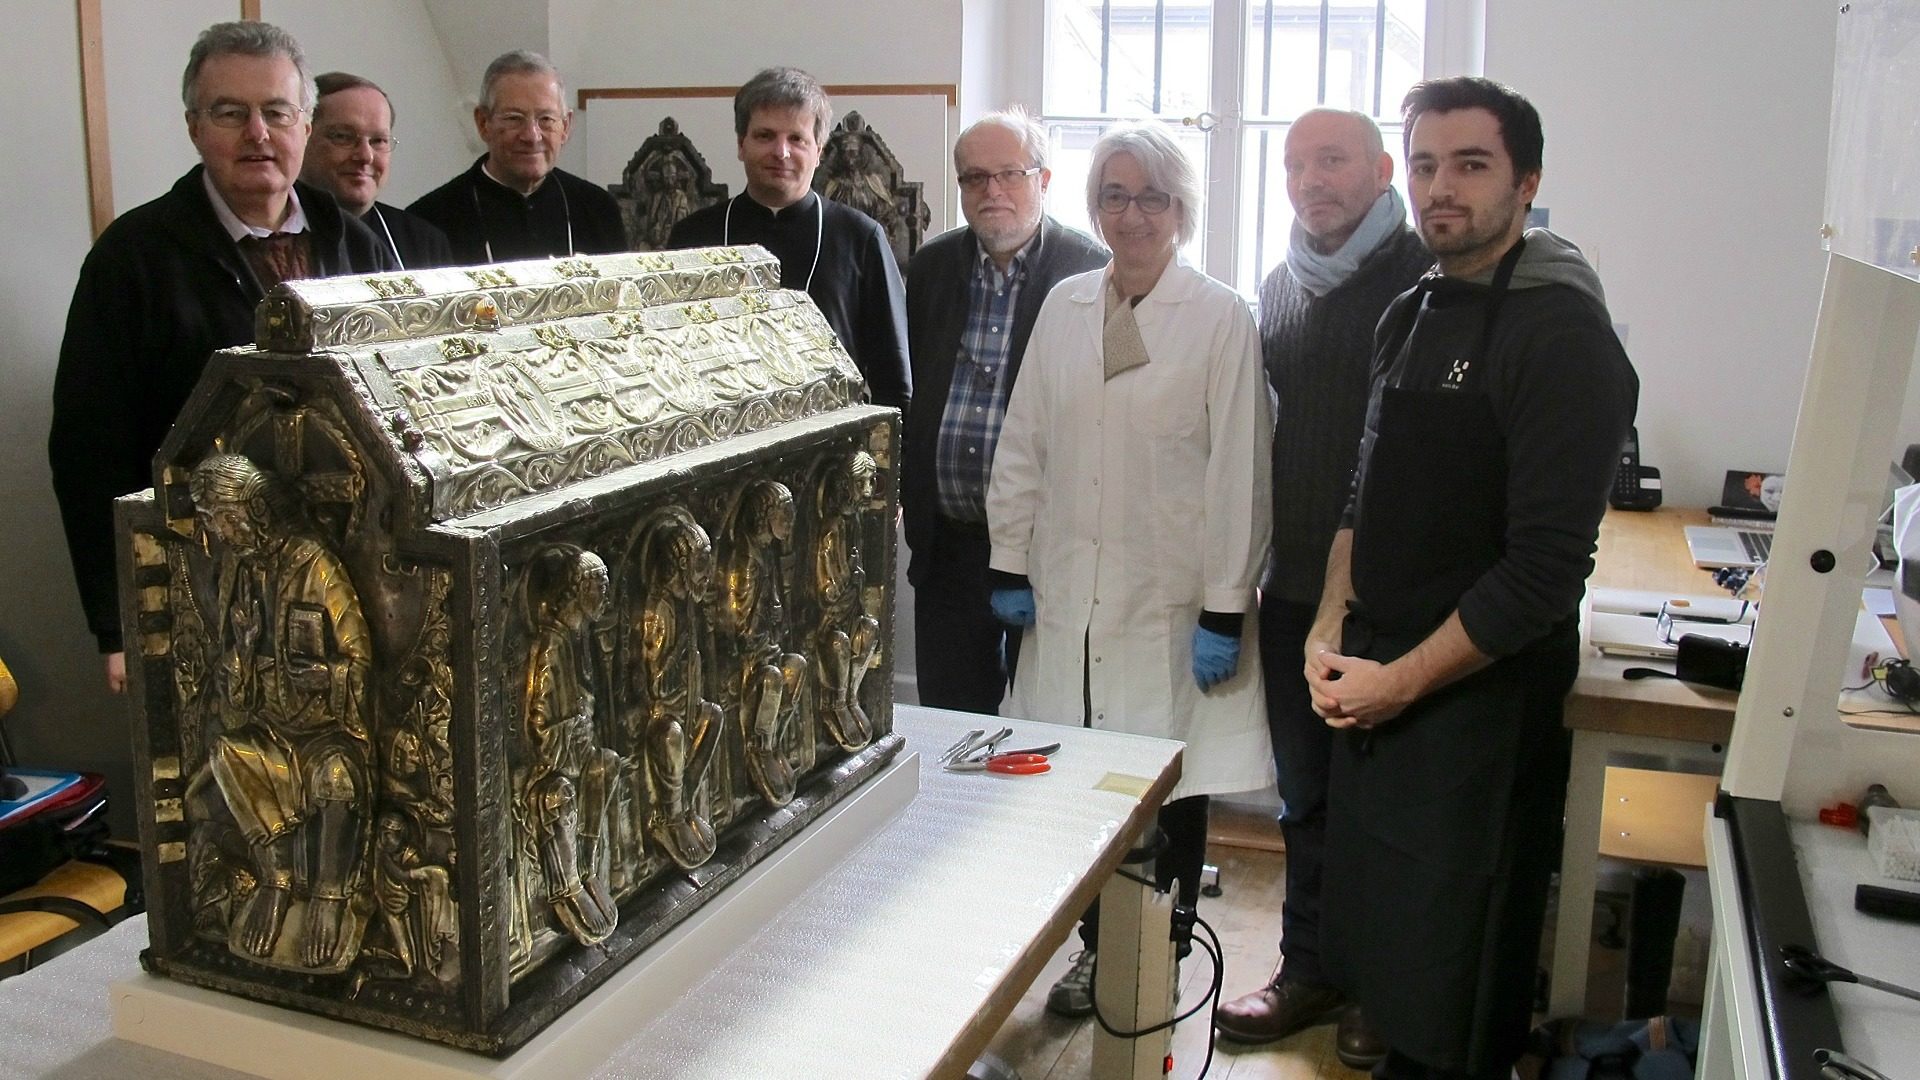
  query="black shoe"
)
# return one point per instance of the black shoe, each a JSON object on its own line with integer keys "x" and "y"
{"x": 1356, "y": 1042}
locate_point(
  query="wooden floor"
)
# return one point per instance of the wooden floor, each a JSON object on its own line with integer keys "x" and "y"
{"x": 1041, "y": 1046}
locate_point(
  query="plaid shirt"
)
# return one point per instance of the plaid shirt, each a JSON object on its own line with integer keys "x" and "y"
{"x": 977, "y": 401}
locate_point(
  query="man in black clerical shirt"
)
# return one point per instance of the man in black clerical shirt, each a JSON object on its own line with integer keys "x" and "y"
{"x": 514, "y": 203}
{"x": 837, "y": 254}
{"x": 348, "y": 154}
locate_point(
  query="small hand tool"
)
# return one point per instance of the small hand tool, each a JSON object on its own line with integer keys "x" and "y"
{"x": 1807, "y": 964}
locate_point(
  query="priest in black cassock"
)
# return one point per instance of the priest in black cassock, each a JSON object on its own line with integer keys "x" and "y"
{"x": 513, "y": 203}
{"x": 837, "y": 254}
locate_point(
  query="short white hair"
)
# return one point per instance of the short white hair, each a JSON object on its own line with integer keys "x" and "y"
{"x": 1167, "y": 167}
{"x": 1018, "y": 120}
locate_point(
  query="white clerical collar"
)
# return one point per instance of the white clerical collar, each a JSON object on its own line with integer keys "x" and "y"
{"x": 237, "y": 230}
{"x": 803, "y": 203}
{"x": 488, "y": 173}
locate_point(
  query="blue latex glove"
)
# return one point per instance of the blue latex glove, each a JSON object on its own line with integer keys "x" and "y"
{"x": 1215, "y": 657}
{"x": 1013, "y": 606}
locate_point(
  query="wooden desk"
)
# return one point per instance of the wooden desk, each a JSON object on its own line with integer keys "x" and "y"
{"x": 1657, "y": 718}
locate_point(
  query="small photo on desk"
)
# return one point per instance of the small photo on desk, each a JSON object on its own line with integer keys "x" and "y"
{"x": 1761, "y": 491}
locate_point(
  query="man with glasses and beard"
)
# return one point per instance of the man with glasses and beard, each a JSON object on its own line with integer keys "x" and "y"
{"x": 173, "y": 280}
{"x": 972, "y": 295}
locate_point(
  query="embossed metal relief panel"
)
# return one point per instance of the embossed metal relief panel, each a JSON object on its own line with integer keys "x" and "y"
{"x": 345, "y": 312}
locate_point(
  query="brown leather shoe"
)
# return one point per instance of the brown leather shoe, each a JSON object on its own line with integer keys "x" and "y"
{"x": 1276, "y": 1011}
{"x": 1356, "y": 1042}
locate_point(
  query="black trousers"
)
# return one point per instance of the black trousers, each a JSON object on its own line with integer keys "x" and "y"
{"x": 1302, "y": 751}
{"x": 1185, "y": 823}
{"x": 964, "y": 655}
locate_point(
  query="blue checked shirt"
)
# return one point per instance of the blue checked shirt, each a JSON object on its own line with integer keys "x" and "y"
{"x": 977, "y": 400}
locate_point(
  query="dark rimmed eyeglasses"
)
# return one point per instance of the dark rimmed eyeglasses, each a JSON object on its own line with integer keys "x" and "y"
{"x": 1150, "y": 201}
{"x": 976, "y": 180}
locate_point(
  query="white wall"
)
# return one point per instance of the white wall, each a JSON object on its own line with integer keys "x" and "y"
{"x": 396, "y": 44}
{"x": 64, "y": 716}
{"x": 1686, "y": 153}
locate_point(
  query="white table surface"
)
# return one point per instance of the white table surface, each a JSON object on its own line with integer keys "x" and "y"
{"x": 1880, "y": 1029}
{"x": 899, "y": 963}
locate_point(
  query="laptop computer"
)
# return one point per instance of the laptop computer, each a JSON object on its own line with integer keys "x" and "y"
{"x": 1715, "y": 546}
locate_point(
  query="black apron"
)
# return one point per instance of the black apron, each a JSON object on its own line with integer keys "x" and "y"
{"x": 1443, "y": 823}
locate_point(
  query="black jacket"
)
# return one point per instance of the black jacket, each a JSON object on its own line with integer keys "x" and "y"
{"x": 417, "y": 243}
{"x": 162, "y": 289}
{"x": 937, "y": 283}
{"x": 519, "y": 226}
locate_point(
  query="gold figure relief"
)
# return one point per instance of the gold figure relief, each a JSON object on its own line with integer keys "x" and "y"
{"x": 754, "y": 614}
{"x": 570, "y": 786}
{"x": 682, "y": 728}
{"x": 847, "y": 638}
{"x": 290, "y": 722}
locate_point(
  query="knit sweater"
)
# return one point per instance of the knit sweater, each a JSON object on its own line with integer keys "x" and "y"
{"x": 1319, "y": 357}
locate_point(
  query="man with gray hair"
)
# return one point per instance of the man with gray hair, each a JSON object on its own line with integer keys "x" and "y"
{"x": 173, "y": 280}
{"x": 972, "y": 295}
{"x": 515, "y": 202}
{"x": 1351, "y": 253}
{"x": 834, "y": 253}
{"x": 348, "y": 154}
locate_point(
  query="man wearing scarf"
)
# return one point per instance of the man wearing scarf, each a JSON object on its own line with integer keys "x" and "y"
{"x": 1351, "y": 253}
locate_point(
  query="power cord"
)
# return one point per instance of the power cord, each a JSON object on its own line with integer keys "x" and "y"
{"x": 1210, "y": 945}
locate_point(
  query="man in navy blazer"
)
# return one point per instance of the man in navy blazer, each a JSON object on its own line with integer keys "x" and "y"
{"x": 972, "y": 295}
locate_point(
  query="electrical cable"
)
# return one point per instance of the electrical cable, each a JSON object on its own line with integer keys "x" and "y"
{"x": 1214, "y": 951}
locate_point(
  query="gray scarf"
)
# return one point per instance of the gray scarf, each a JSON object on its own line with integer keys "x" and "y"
{"x": 1321, "y": 274}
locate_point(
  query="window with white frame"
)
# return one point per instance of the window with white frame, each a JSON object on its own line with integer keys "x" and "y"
{"x": 1230, "y": 76}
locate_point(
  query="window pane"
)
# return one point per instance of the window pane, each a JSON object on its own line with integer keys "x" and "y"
{"x": 1070, "y": 154}
{"x": 1266, "y": 221}
{"x": 1283, "y": 59}
{"x": 1406, "y": 56}
{"x": 1072, "y": 65}
{"x": 1172, "y": 40}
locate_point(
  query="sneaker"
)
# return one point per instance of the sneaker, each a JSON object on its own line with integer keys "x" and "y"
{"x": 1072, "y": 996}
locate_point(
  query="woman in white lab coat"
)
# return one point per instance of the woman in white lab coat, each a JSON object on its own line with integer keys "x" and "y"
{"x": 1128, "y": 508}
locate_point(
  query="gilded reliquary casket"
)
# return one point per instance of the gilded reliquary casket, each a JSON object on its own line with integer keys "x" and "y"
{"x": 486, "y": 622}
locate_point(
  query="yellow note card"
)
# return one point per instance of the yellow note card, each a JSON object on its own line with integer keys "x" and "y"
{"x": 1121, "y": 783}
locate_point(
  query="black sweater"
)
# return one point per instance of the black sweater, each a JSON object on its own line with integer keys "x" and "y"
{"x": 1319, "y": 355}
{"x": 1563, "y": 394}
{"x": 163, "y": 287}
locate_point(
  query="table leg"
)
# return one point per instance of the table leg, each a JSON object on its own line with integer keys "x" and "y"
{"x": 1133, "y": 982}
{"x": 1579, "y": 858}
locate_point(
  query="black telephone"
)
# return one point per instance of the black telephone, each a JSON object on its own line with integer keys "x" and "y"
{"x": 1635, "y": 486}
